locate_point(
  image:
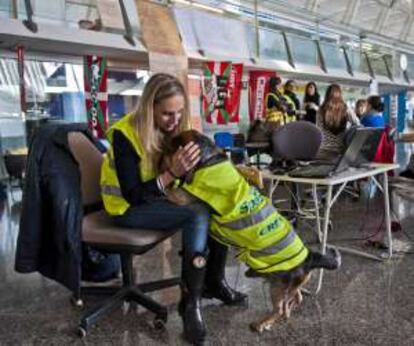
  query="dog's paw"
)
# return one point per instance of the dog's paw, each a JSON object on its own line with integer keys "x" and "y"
{"x": 336, "y": 256}
{"x": 258, "y": 327}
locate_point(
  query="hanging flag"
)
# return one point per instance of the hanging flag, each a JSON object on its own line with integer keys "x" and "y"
{"x": 22, "y": 86}
{"x": 258, "y": 89}
{"x": 96, "y": 94}
{"x": 221, "y": 85}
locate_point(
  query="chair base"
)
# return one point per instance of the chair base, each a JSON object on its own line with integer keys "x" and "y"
{"x": 129, "y": 291}
{"x": 119, "y": 295}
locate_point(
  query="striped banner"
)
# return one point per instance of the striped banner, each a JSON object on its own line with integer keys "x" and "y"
{"x": 96, "y": 94}
{"x": 221, "y": 85}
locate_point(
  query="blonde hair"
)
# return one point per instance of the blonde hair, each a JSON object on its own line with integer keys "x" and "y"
{"x": 159, "y": 87}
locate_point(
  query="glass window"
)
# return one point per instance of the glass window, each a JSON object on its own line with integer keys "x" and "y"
{"x": 410, "y": 66}
{"x": 303, "y": 49}
{"x": 6, "y": 9}
{"x": 333, "y": 55}
{"x": 272, "y": 45}
{"x": 213, "y": 34}
{"x": 364, "y": 64}
{"x": 67, "y": 12}
{"x": 378, "y": 65}
{"x": 55, "y": 92}
{"x": 355, "y": 59}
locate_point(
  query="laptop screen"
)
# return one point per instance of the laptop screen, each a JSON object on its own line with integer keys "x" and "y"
{"x": 361, "y": 149}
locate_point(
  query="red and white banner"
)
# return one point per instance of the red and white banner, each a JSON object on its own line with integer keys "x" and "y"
{"x": 96, "y": 94}
{"x": 221, "y": 88}
{"x": 258, "y": 89}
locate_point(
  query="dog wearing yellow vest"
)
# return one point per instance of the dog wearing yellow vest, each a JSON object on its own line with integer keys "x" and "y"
{"x": 242, "y": 217}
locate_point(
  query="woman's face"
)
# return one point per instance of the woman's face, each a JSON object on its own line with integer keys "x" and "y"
{"x": 311, "y": 90}
{"x": 168, "y": 113}
{"x": 361, "y": 108}
{"x": 336, "y": 93}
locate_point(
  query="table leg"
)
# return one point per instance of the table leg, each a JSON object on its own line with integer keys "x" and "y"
{"x": 325, "y": 233}
{"x": 387, "y": 214}
{"x": 318, "y": 219}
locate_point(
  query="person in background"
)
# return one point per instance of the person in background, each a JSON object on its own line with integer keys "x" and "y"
{"x": 334, "y": 119}
{"x": 290, "y": 95}
{"x": 311, "y": 102}
{"x": 373, "y": 115}
{"x": 360, "y": 108}
{"x": 278, "y": 107}
{"x": 133, "y": 191}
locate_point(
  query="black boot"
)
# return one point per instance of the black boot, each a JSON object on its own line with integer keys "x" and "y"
{"x": 216, "y": 285}
{"x": 189, "y": 308}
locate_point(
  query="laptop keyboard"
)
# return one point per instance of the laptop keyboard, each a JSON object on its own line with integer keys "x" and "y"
{"x": 318, "y": 171}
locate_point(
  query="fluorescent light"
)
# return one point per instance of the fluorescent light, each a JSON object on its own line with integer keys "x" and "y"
{"x": 201, "y": 6}
{"x": 143, "y": 74}
{"x": 131, "y": 92}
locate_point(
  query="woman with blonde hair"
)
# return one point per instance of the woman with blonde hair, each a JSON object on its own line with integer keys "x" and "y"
{"x": 334, "y": 118}
{"x": 133, "y": 191}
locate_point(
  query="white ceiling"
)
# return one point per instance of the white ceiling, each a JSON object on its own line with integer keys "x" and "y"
{"x": 388, "y": 18}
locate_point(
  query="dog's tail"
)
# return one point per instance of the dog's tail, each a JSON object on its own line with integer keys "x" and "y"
{"x": 331, "y": 260}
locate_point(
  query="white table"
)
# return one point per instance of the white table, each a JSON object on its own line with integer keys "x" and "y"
{"x": 352, "y": 174}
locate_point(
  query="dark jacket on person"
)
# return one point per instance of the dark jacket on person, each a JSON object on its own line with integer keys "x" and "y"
{"x": 311, "y": 112}
{"x": 49, "y": 239}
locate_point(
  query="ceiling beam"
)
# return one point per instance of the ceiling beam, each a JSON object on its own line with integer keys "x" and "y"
{"x": 406, "y": 28}
{"x": 382, "y": 19}
{"x": 350, "y": 12}
{"x": 312, "y": 5}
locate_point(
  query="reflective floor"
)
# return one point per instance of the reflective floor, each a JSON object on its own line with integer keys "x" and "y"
{"x": 366, "y": 302}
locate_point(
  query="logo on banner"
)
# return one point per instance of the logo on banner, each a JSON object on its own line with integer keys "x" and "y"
{"x": 94, "y": 94}
{"x": 260, "y": 95}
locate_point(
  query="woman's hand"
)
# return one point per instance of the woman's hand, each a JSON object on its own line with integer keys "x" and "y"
{"x": 184, "y": 159}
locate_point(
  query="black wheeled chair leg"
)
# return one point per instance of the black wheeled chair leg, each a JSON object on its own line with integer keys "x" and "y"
{"x": 92, "y": 316}
{"x": 138, "y": 296}
{"x": 158, "y": 285}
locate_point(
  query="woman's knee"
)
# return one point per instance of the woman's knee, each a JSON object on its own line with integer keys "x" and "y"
{"x": 198, "y": 217}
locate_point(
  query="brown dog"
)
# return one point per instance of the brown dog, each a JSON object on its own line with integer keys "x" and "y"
{"x": 285, "y": 287}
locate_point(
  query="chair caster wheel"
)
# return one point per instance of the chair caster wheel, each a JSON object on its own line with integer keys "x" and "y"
{"x": 76, "y": 302}
{"x": 160, "y": 321}
{"x": 81, "y": 332}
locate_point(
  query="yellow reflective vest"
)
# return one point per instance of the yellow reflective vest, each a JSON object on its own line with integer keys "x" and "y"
{"x": 246, "y": 219}
{"x": 273, "y": 114}
{"x": 113, "y": 201}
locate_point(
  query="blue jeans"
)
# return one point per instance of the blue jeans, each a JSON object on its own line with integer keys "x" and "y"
{"x": 163, "y": 215}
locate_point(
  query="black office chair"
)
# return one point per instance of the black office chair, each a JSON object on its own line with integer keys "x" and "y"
{"x": 293, "y": 142}
{"x": 99, "y": 232}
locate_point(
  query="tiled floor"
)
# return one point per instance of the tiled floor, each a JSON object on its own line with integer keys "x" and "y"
{"x": 364, "y": 303}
